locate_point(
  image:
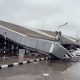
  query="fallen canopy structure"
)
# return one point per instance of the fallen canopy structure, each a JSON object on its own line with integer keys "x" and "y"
{"x": 43, "y": 42}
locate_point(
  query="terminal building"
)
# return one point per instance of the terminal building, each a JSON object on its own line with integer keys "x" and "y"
{"x": 14, "y": 39}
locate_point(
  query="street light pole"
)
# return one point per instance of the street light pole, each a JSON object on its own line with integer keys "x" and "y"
{"x": 77, "y": 35}
{"x": 61, "y": 26}
{"x": 58, "y": 37}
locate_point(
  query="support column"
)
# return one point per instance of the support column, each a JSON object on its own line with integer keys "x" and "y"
{"x": 5, "y": 38}
{"x": 17, "y": 50}
{"x": 12, "y": 49}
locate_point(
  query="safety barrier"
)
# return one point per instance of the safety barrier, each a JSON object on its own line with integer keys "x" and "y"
{"x": 21, "y": 63}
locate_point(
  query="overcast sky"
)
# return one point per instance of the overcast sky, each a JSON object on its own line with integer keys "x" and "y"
{"x": 43, "y": 14}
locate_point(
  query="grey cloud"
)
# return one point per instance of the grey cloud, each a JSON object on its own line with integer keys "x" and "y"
{"x": 36, "y": 13}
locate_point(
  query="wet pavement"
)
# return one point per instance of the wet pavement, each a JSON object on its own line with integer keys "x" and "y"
{"x": 55, "y": 70}
{"x": 16, "y": 59}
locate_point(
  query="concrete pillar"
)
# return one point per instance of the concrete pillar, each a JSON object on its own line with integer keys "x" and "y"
{"x": 17, "y": 47}
{"x": 17, "y": 50}
{"x": 12, "y": 48}
{"x": 5, "y": 38}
